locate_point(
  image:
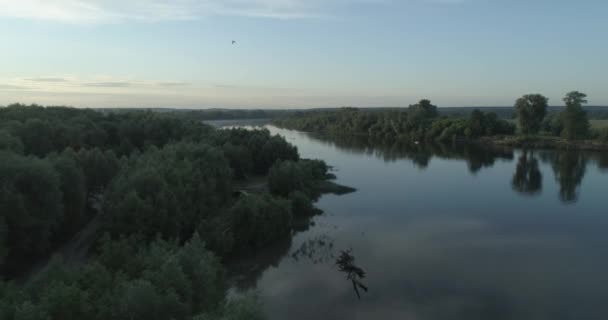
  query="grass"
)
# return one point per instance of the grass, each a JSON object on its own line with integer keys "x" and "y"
{"x": 599, "y": 124}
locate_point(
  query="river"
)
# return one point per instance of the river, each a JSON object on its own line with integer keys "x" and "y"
{"x": 445, "y": 233}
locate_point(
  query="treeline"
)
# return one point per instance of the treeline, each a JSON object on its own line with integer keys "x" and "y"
{"x": 162, "y": 191}
{"x": 423, "y": 122}
{"x": 594, "y": 112}
{"x": 231, "y": 114}
{"x": 418, "y": 122}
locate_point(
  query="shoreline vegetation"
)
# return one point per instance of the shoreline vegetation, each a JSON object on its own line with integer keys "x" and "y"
{"x": 150, "y": 207}
{"x": 419, "y": 123}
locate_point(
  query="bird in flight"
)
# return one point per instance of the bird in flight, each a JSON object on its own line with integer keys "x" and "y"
{"x": 233, "y": 42}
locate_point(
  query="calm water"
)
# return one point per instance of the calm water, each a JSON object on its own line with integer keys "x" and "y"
{"x": 446, "y": 233}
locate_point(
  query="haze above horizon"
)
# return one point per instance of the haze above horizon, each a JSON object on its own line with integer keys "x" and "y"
{"x": 300, "y": 53}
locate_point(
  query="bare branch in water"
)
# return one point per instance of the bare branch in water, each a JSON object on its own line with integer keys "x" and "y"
{"x": 346, "y": 264}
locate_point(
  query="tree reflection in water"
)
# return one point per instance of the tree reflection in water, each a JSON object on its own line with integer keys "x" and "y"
{"x": 527, "y": 178}
{"x": 569, "y": 167}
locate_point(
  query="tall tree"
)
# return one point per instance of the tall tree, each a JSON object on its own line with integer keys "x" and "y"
{"x": 421, "y": 111}
{"x": 531, "y": 110}
{"x": 574, "y": 118}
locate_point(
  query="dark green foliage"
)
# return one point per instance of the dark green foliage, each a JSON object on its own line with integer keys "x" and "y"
{"x": 602, "y": 134}
{"x": 574, "y": 118}
{"x": 173, "y": 179}
{"x": 274, "y": 149}
{"x": 531, "y": 110}
{"x": 239, "y": 158}
{"x": 552, "y": 124}
{"x": 422, "y": 111}
{"x": 30, "y": 203}
{"x": 73, "y": 190}
{"x": 37, "y": 137}
{"x": 99, "y": 168}
{"x": 3, "y": 240}
{"x": 301, "y": 205}
{"x": 258, "y": 145}
{"x": 161, "y": 281}
{"x": 46, "y": 129}
{"x": 167, "y": 191}
{"x": 260, "y": 219}
{"x": 419, "y": 123}
{"x": 288, "y": 176}
{"x": 10, "y": 142}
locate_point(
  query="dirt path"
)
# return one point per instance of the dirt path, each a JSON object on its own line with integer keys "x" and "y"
{"x": 73, "y": 251}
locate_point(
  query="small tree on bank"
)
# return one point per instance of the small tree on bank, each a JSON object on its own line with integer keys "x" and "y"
{"x": 574, "y": 118}
{"x": 531, "y": 110}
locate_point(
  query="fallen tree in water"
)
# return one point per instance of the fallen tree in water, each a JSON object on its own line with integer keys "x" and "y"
{"x": 346, "y": 264}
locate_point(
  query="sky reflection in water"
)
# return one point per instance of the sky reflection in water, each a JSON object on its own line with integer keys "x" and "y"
{"x": 446, "y": 233}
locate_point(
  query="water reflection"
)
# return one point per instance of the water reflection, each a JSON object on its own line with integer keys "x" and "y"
{"x": 477, "y": 157}
{"x": 319, "y": 249}
{"x": 569, "y": 168}
{"x": 568, "y": 165}
{"x": 441, "y": 240}
{"x": 527, "y": 178}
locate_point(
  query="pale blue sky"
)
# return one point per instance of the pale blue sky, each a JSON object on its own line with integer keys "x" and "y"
{"x": 300, "y": 53}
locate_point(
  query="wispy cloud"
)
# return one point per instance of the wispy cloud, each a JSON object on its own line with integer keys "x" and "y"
{"x": 172, "y": 84}
{"x": 46, "y": 79}
{"x": 11, "y": 87}
{"x": 100, "y": 11}
{"x": 109, "y": 84}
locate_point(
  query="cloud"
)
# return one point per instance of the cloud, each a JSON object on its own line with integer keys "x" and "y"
{"x": 172, "y": 84}
{"x": 109, "y": 84}
{"x": 12, "y": 87}
{"x": 46, "y": 79}
{"x": 103, "y": 11}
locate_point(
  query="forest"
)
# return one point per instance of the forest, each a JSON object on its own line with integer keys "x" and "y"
{"x": 164, "y": 200}
{"x": 423, "y": 121}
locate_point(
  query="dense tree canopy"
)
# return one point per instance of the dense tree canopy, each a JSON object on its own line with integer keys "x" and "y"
{"x": 531, "y": 110}
{"x": 422, "y": 111}
{"x": 418, "y": 123}
{"x": 158, "y": 186}
{"x": 128, "y": 280}
{"x": 574, "y": 118}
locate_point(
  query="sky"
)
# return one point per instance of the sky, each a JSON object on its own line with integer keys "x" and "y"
{"x": 300, "y": 53}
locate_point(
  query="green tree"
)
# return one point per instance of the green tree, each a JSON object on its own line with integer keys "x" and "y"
{"x": 574, "y": 118}
{"x": 36, "y": 136}
{"x": 30, "y": 203}
{"x": 73, "y": 189}
{"x": 99, "y": 167}
{"x": 65, "y": 301}
{"x": 301, "y": 205}
{"x": 168, "y": 191}
{"x": 531, "y": 110}
{"x": 423, "y": 110}
{"x": 260, "y": 219}
{"x": 10, "y": 142}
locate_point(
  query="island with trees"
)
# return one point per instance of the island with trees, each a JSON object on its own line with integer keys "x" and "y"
{"x": 132, "y": 215}
{"x": 422, "y": 122}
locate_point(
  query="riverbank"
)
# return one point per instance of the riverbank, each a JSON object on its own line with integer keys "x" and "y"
{"x": 542, "y": 142}
{"x": 513, "y": 141}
